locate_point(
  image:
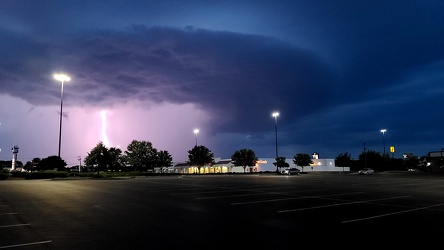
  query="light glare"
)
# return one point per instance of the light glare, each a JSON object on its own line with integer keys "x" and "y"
{"x": 61, "y": 77}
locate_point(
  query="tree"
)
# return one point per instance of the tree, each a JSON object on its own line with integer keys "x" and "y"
{"x": 35, "y": 163}
{"x": 141, "y": 155}
{"x": 200, "y": 156}
{"x": 244, "y": 157}
{"x": 343, "y": 160}
{"x": 371, "y": 159}
{"x": 52, "y": 162}
{"x": 28, "y": 166}
{"x": 281, "y": 163}
{"x": 164, "y": 159}
{"x": 115, "y": 155}
{"x": 411, "y": 161}
{"x": 302, "y": 159}
{"x": 99, "y": 157}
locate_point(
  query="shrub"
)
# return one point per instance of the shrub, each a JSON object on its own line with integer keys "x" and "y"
{"x": 47, "y": 174}
{"x": 4, "y": 176}
{"x": 15, "y": 173}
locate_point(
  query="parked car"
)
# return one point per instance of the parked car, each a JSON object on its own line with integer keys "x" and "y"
{"x": 291, "y": 171}
{"x": 366, "y": 171}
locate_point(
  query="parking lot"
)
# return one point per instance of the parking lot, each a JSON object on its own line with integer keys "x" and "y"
{"x": 265, "y": 211}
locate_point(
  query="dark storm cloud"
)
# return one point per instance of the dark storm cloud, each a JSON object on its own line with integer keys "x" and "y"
{"x": 338, "y": 71}
{"x": 383, "y": 40}
{"x": 240, "y": 76}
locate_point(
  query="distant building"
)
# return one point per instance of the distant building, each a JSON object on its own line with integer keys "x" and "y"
{"x": 262, "y": 165}
{"x": 266, "y": 165}
{"x": 436, "y": 161}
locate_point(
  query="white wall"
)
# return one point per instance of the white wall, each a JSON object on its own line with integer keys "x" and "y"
{"x": 266, "y": 164}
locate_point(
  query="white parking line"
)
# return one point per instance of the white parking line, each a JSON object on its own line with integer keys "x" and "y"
{"x": 400, "y": 212}
{"x": 226, "y": 189}
{"x": 8, "y": 213}
{"x": 15, "y": 225}
{"x": 251, "y": 194}
{"x": 295, "y": 198}
{"x": 26, "y": 244}
{"x": 338, "y": 204}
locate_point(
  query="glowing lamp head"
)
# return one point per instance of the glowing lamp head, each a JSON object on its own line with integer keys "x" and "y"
{"x": 61, "y": 77}
{"x": 275, "y": 114}
{"x": 196, "y": 131}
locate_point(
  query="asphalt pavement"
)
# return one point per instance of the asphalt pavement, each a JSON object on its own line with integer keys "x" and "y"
{"x": 254, "y": 211}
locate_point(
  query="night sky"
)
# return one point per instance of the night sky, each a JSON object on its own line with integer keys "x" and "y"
{"x": 337, "y": 72}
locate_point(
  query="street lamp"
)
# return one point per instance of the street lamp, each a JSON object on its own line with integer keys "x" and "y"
{"x": 196, "y": 131}
{"x": 62, "y": 78}
{"x": 383, "y": 137}
{"x": 275, "y": 115}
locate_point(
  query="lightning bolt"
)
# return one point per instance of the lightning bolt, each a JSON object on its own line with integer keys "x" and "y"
{"x": 104, "y": 136}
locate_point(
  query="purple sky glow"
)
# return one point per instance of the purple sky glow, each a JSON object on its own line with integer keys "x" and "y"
{"x": 337, "y": 71}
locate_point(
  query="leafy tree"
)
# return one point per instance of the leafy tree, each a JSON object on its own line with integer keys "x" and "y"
{"x": 5, "y": 164}
{"x": 281, "y": 163}
{"x": 200, "y": 156}
{"x": 411, "y": 161}
{"x": 164, "y": 159}
{"x": 115, "y": 155}
{"x": 244, "y": 157}
{"x": 141, "y": 155}
{"x": 52, "y": 162}
{"x": 371, "y": 159}
{"x": 99, "y": 157}
{"x": 302, "y": 159}
{"x": 343, "y": 160}
{"x": 28, "y": 166}
{"x": 35, "y": 163}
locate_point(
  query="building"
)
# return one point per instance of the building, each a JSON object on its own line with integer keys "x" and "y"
{"x": 262, "y": 165}
{"x": 436, "y": 161}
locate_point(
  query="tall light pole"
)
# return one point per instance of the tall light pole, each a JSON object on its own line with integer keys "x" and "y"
{"x": 383, "y": 137}
{"x": 62, "y": 78}
{"x": 196, "y": 131}
{"x": 275, "y": 115}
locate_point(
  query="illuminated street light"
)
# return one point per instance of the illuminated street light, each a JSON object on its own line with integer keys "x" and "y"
{"x": 62, "y": 78}
{"x": 275, "y": 115}
{"x": 383, "y": 137}
{"x": 196, "y": 131}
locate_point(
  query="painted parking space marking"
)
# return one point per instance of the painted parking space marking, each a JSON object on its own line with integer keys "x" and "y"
{"x": 257, "y": 193}
{"x": 293, "y": 198}
{"x": 8, "y": 213}
{"x": 389, "y": 214}
{"x": 15, "y": 225}
{"x": 225, "y": 189}
{"x": 26, "y": 244}
{"x": 10, "y": 226}
{"x": 339, "y": 204}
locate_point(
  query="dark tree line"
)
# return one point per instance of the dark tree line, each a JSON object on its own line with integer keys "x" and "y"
{"x": 381, "y": 162}
{"x": 142, "y": 156}
{"x": 139, "y": 156}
